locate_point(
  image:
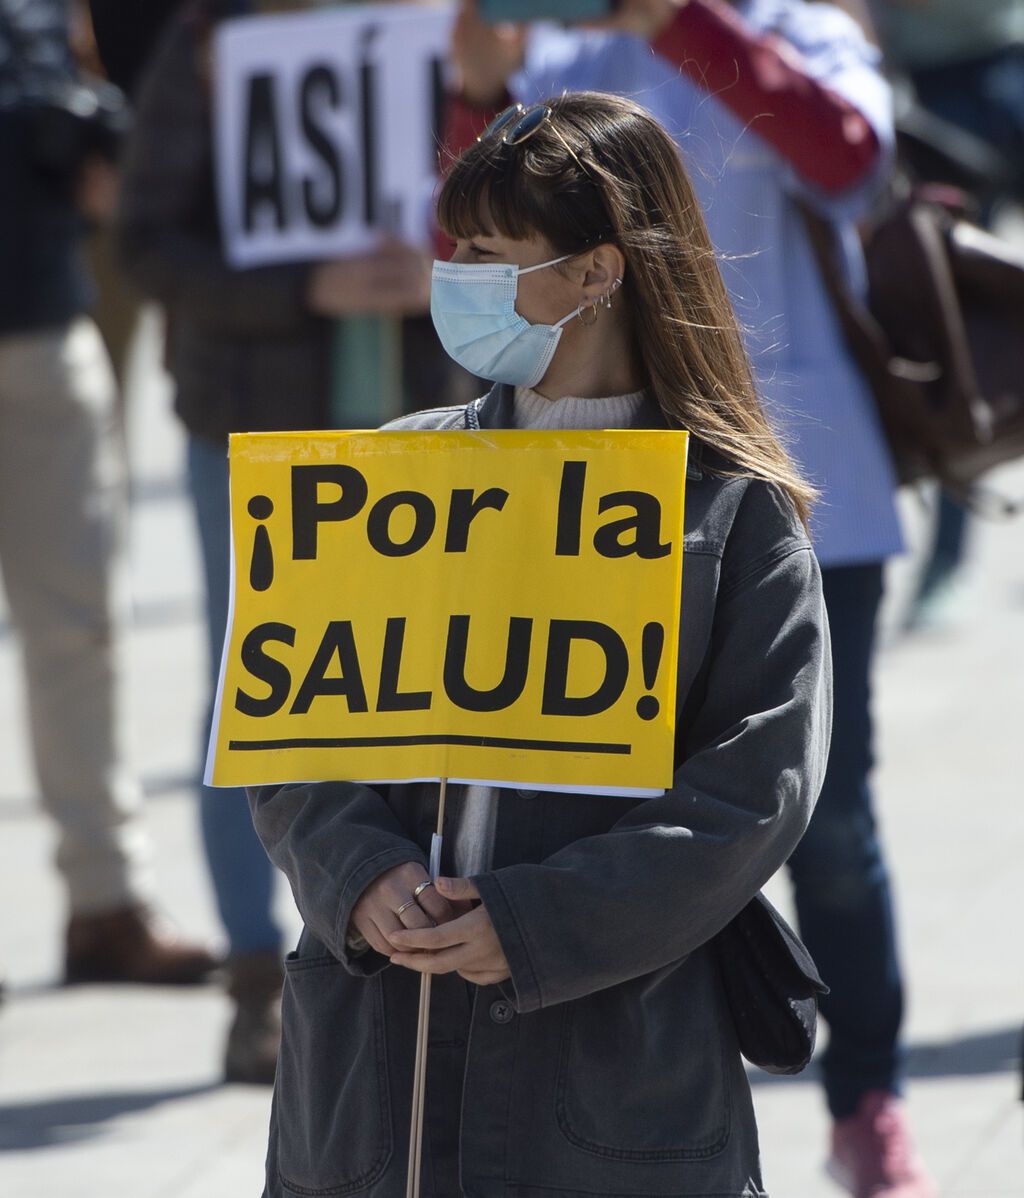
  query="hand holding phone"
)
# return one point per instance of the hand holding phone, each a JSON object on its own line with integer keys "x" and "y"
{"x": 644, "y": 18}
{"x": 496, "y": 12}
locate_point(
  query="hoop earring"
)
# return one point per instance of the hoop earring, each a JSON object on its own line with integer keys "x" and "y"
{"x": 592, "y": 309}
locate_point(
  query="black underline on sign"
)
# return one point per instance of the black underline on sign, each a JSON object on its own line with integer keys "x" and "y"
{"x": 480, "y": 742}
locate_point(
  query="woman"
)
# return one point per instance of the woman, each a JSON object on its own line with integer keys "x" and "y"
{"x": 591, "y": 1050}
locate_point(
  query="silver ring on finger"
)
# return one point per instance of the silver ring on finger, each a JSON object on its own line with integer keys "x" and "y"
{"x": 421, "y": 887}
{"x": 405, "y": 907}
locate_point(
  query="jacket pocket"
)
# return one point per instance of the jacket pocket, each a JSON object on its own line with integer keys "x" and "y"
{"x": 332, "y": 1100}
{"x": 642, "y": 1073}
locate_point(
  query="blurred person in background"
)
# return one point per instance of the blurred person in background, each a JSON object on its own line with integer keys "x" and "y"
{"x": 111, "y": 40}
{"x": 249, "y": 350}
{"x": 777, "y": 104}
{"x": 965, "y": 62}
{"x": 62, "y": 505}
{"x": 115, "y": 304}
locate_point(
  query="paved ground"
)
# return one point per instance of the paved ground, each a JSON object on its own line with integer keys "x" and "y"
{"x": 106, "y": 1091}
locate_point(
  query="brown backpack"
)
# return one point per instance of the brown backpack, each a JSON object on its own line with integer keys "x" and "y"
{"x": 940, "y": 339}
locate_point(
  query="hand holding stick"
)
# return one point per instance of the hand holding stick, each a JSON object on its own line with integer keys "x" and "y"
{"x": 412, "y": 1188}
{"x": 467, "y": 945}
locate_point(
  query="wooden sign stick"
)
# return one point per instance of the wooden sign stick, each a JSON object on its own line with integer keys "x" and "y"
{"x": 419, "y": 1080}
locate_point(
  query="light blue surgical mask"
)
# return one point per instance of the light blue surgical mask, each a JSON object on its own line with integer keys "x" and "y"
{"x": 473, "y": 307}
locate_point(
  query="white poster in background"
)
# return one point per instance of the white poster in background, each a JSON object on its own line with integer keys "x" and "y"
{"x": 326, "y": 128}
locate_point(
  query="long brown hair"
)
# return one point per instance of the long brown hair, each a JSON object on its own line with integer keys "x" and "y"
{"x": 603, "y": 170}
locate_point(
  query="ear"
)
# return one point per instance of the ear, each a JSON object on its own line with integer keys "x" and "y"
{"x": 607, "y": 264}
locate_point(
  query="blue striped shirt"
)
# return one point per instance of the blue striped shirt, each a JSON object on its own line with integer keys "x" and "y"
{"x": 812, "y": 390}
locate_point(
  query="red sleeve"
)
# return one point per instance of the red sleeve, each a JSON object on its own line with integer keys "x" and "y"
{"x": 762, "y": 80}
{"x": 463, "y": 124}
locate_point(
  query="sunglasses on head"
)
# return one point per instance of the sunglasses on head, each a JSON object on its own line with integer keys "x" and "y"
{"x": 516, "y": 124}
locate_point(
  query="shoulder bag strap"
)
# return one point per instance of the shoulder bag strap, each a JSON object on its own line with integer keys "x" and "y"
{"x": 864, "y": 336}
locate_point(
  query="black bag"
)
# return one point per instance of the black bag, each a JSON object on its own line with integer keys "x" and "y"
{"x": 771, "y": 986}
{"x": 73, "y": 120}
{"x": 940, "y": 339}
{"x": 67, "y": 117}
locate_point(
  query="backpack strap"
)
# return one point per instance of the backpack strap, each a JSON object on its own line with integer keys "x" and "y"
{"x": 918, "y": 361}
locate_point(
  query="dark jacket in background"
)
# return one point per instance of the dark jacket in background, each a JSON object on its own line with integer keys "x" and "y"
{"x": 42, "y": 280}
{"x": 608, "y": 1065}
{"x": 126, "y": 33}
{"x": 246, "y": 353}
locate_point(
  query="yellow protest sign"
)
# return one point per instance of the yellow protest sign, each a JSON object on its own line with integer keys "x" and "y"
{"x": 496, "y": 606}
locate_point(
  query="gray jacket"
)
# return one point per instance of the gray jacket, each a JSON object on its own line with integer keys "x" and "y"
{"x": 607, "y": 1064}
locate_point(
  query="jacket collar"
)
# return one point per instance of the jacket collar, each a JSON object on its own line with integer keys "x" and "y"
{"x": 496, "y": 409}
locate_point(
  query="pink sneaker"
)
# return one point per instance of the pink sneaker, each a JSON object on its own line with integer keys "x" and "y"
{"x": 872, "y": 1154}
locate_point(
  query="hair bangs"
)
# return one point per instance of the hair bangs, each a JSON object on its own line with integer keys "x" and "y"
{"x": 486, "y": 194}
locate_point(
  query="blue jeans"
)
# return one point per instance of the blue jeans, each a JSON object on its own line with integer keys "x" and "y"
{"x": 241, "y": 873}
{"x": 840, "y": 881}
{"x": 948, "y": 545}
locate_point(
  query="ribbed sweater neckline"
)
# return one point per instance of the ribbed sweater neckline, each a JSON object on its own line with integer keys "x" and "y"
{"x": 533, "y": 410}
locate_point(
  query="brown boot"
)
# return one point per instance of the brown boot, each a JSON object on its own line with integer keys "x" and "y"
{"x": 255, "y": 1034}
{"x": 132, "y": 944}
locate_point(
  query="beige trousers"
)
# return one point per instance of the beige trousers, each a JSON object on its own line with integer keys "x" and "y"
{"x": 62, "y": 516}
